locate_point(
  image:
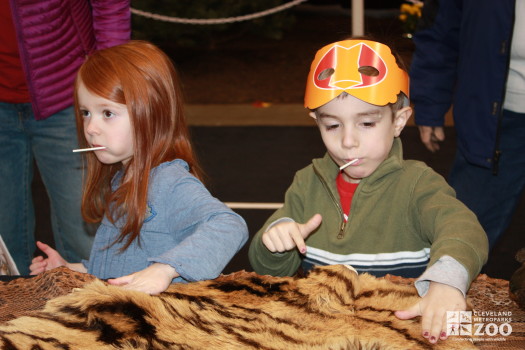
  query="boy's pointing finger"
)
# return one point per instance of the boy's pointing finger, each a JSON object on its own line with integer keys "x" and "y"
{"x": 306, "y": 229}
{"x": 311, "y": 225}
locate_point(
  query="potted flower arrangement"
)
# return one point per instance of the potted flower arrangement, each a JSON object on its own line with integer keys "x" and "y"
{"x": 409, "y": 16}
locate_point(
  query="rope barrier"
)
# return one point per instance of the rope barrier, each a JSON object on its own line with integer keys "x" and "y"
{"x": 271, "y": 11}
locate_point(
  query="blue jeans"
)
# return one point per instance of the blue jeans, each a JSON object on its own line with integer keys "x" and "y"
{"x": 494, "y": 198}
{"x": 50, "y": 142}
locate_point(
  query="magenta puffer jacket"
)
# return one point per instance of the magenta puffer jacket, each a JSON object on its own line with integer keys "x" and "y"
{"x": 54, "y": 37}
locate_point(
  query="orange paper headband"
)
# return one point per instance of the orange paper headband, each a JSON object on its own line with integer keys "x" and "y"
{"x": 336, "y": 69}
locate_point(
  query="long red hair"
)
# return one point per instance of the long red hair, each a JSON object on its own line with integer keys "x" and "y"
{"x": 141, "y": 76}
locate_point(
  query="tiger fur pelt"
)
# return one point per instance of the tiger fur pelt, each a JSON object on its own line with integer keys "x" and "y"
{"x": 331, "y": 308}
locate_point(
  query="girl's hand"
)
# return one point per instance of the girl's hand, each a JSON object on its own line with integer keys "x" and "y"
{"x": 41, "y": 264}
{"x": 154, "y": 279}
{"x": 286, "y": 236}
{"x": 433, "y": 308}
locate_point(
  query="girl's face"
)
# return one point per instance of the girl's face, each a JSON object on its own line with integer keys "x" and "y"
{"x": 106, "y": 124}
{"x": 353, "y": 129}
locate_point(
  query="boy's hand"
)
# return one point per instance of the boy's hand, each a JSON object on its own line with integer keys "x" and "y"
{"x": 286, "y": 236}
{"x": 433, "y": 308}
{"x": 41, "y": 264}
{"x": 153, "y": 280}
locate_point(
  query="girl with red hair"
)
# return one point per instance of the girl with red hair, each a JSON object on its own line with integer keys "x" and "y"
{"x": 159, "y": 224}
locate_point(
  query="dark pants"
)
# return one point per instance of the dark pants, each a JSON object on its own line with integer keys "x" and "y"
{"x": 493, "y": 198}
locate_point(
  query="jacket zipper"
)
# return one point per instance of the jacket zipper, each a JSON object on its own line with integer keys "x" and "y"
{"x": 341, "y": 234}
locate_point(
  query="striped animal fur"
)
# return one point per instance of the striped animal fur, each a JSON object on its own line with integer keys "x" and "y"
{"x": 332, "y": 308}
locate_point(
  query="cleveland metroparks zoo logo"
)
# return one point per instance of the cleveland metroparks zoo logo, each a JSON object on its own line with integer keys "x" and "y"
{"x": 480, "y": 325}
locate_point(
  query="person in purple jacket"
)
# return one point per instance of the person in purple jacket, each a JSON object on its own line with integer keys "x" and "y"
{"x": 42, "y": 45}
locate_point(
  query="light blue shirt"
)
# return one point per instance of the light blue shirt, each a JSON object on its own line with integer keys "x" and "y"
{"x": 184, "y": 227}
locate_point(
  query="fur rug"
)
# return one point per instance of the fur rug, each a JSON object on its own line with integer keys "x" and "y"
{"x": 332, "y": 308}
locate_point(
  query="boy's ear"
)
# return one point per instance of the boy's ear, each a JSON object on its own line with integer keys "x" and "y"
{"x": 400, "y": 119}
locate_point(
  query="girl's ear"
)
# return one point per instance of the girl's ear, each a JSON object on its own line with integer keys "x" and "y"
{"x": 400, "y": 119}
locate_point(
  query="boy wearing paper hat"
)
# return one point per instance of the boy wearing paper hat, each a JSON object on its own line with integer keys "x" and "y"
{"x": 362, "y": 204}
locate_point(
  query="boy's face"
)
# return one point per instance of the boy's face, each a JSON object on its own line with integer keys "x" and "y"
{"x": 352, "y": 129}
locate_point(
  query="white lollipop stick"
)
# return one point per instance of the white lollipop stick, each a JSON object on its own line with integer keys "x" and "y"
{"x": 348, "y": 164}
{"x": 89, "y": 149}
